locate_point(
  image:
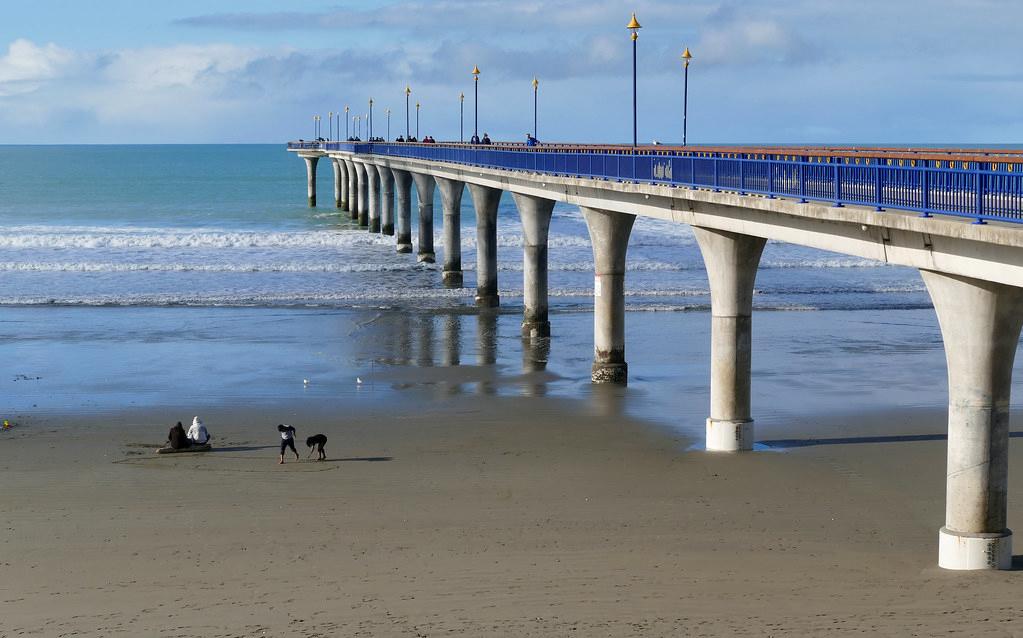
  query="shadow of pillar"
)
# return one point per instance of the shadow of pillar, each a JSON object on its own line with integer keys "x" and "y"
{"x": 426, "y": 337}
{"x": 535, "y": 352}
{"x": 486, "y": 356}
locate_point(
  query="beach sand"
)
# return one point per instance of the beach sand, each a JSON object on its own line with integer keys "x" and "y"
{"x": 483, "y": 515}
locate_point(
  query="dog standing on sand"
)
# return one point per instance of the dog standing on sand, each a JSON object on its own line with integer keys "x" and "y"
{"x": 317, "y": 440}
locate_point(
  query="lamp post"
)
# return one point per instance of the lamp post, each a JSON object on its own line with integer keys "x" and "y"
{"x": 370, "y": 119}
{"x": 338, "y": 114}
{"x": 476, "y": 106}
{"x": 461, "y": 117}
{"x": 347, "y": 134}
{"x": 358, "y": 127}
{"x": 417, "y": 120}
{"x": 536, "y": 86}
{"x": 388, "y": 125}
{"x": 408, "y": 92}
{"x": 686, "y": 56}
{"x": 634, "y": 26}
{"x": 330, "y": 125}
{"x": 314, "y": 127}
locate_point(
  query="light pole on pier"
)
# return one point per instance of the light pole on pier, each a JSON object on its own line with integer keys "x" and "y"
{"x": 461, "y": 117}
{"x": 388, "y": 125}
{"x": 330, "y": 125}
{"x": 370, "y": 122}
{"x": 408, "y": 92}
{"x": 358, "y": 127}
{"x": 634, "y": 26}
{"x": 476, "y": 106}
{"x": 338, "y": 114}
{"x": 347, "y": 134}
{"x": 686, "y": 56}
{"x": 417, "y": 120}
{"x": 536, "y": 86}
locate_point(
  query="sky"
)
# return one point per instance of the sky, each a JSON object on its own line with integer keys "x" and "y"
{"x": 763, "y": 71}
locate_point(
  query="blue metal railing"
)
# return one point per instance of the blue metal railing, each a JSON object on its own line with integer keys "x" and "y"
{"x": 982, "y": 190}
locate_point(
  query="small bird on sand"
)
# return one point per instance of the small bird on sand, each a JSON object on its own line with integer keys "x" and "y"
{"x": 358, "y": 380}
{"x": 305, "y": 381}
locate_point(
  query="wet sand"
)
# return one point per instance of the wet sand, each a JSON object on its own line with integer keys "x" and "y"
{"x": 484, "y": 516}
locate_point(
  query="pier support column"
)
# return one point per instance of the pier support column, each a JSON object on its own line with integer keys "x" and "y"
{"x": 310, "y": 171}
{"x": 386, "y": 200}
{"x": 363, "y": 187}
{"x": 980, "y": 325}
{"x": 373, "y": 179}
{"x": 339, "y": 187}
{"x": 403, "y": 186}
{"x": 731, "y": 260}
{"x": 485, "y": 201}
{"x": 451, "y": 203}
{"x": 536, "y": 223}
{"x": 353, "y": 189}
{"x": 609, "y": 234}
{"x": 424, "y": 194}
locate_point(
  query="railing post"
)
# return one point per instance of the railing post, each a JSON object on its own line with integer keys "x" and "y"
{"x": 770, "y": 179}
{"x": 925, "y": 191}
{"x": 838, "y": 186}
{"x": 802, "y": 182}
{"x": 979, "y": 181}
{"x": 878, "y": 190}
{"x": 717, "y": 188}
{"x": 742, "y": 177}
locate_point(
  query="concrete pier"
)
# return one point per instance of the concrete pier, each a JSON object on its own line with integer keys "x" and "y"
{"x": 485, "y": 201}
{"x": 980, "y": 325}
{"x": 363, "y": 186}
{"x": 403, "y": 188}
{"x": 451, "y": 204}
{"x": 353, "y": 189}
{"x": 373, "y": 179}
{"x": 609, "y": 234}
{"x": 535, "y": 213}
{"x": 424, "y": 193}
{"x": 731, "y": 260}
{"x": 386, "y": 180}
{"x": 310, "y": 171}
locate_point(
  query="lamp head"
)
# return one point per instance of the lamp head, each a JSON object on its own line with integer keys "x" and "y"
{"x": 476, "y": 73}
{"x": 370, "y": 102}
{"x": 686, "y": 56}
{"x": 634, "y": 26}
{"x": 461, "y": 97}
{"x": 346, "y": 110}
{"x": 536, "y": 83}
{"x": 408, "y": 90}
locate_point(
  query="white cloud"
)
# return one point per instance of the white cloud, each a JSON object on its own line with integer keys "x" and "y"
{"x": 27, "y": 66}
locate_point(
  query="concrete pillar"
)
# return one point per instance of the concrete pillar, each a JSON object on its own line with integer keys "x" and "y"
{"x": 731, "y": 260}
{"x": 424, "y": 193}
{"x": 486, "y": 200}
{"x": 451, "y": 203}
{"x": 403, "y": 186}
{"x": 536, "y": 223}
{"x": 340, "y": 187}
{"x": 386, "y": 200}
{"x": 310, "y": 171}
{"x": 980, "y": 325}
{"x": 373, "y": 179}
{"x": 363, "y": 184}
{"x": 353, "y": 189}
{"x": 609, "y": 234}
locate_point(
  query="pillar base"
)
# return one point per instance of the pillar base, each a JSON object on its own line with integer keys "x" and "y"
{"x": 729, "y": 436}
{"x": 962, "y": 551}
{"x": 363, "y": 223}
{"x": 354, "y": 214}
{"x": 536, "y": 329}
{"x": 427, "y": 258}
{"x": 374, "y": 225}
{"x": 387, "y": 229}
{"x": 404, "y": 248}
{"x": 312, "y": 202}
{"x": 452, "y": 278}
{"x": 488, "y": 301}
{"x": 610, "y": 373}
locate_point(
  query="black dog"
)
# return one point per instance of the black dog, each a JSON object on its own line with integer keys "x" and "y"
{"x": 319, "y": 440}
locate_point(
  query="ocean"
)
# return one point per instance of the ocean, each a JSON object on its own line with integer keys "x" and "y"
{"x": 168, "y": 275}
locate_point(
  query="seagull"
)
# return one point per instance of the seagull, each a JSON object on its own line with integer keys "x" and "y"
{"x": 358, "y": 380}
{"x": 305, "y": 381}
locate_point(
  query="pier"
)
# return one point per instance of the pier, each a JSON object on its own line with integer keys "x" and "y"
{"x": 956, "y": 215}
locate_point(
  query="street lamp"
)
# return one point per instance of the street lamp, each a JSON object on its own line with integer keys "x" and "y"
{"x": 347, "y": 134}
{"x": 408, "y": 92}
{"x": 417, "y": 120}
{"x": 330, "y": 125}
{"x": 370, "y": 122}
{"x": 476, "y": 106}
{"x": 461, "y": 117}
{"x": 388, "y": 125}
{"x": 634, "y": 26}
{"x": 536, "y": 86}
{"x": 358, "y": 127}
{"x": 686, "y": 56}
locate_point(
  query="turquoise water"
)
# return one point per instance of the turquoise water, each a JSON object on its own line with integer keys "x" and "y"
{"x": 196, "y": 275}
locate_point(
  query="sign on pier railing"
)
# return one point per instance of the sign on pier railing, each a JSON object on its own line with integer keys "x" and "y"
{"x": 970, "y": 187}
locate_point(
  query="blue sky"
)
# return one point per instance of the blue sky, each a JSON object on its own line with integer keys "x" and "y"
{"x": 190, "y": 71}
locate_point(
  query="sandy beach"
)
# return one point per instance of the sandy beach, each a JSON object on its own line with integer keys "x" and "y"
{"x": 499, "y": 517}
